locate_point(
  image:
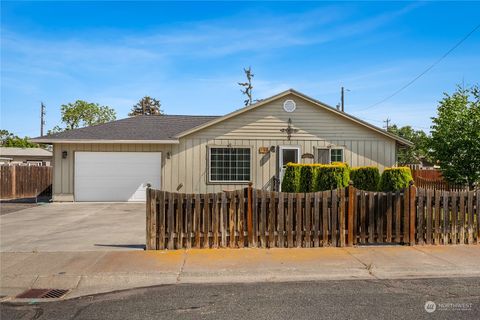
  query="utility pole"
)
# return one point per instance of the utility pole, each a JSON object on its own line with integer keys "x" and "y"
{"x": 387, "y": 122}
{"x": 342, "y": 99}
{"x": 42, "y": 118}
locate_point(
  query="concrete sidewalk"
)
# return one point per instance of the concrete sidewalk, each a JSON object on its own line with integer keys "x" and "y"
{"x": 95, "y": 272}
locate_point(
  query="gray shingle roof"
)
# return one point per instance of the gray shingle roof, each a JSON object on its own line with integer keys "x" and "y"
{"x": 27, "y": 152}
{"x": 154, "y": 127}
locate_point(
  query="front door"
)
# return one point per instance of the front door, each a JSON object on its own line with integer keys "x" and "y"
{"x": 286, "y": 154}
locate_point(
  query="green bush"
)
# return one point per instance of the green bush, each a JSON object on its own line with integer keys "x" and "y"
{"x": 291, "y": 179}
{"x": 365, "y": 178}
{"x": 394, "y": 179}
{"x": 336, "y": 163}
{"x": 306, "y": 178}
{"x": 332, "y": 176}
{"x": 315, "y": 177}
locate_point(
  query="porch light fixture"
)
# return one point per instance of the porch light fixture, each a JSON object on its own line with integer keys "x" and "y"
{"x": 64, "y": 154}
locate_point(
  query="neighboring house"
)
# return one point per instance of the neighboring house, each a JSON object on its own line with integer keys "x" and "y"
{"x": 199, "y": 154}
{"x": 31, "y": 156}
{"x": 426, "y": 164}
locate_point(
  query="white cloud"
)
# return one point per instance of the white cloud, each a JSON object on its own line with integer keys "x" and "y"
{"x": 257, "y": 33}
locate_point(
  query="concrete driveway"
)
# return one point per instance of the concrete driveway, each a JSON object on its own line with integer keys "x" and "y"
{"x": 74, "y": 227}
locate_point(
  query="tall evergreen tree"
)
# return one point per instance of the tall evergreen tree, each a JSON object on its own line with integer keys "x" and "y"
{"x": 146, "y": 106}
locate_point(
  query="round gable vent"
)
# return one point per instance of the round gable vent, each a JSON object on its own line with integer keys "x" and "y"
{"x": 289, "y": 106}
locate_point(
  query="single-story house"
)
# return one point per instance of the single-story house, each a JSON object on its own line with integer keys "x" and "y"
{"x": 198, "y": 154}
{"x": 30, "y": 156}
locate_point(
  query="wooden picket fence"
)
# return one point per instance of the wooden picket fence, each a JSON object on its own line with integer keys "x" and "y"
{"x": 438, "y": 184}
{"x": 343, "y": 217}
{"x": 25, "y": 181}
{"x": 429, "y": 174}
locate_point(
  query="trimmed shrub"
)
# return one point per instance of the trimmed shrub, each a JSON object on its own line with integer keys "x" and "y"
{"x": 331, "y": 176}
{"x": 365, "y": 178}
{"x": 394, "y": 179}
{"x": 341, "y": 164}
{"x": 306, "y": 178}
{"x": 315, "y": 177}
{"x": 291, "y": 179}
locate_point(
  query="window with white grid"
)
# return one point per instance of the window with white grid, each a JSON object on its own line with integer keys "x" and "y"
{"x": 229, "y": 164}
{"x": 336, "y": 155}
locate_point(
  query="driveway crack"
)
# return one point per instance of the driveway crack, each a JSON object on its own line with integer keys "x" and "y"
{"x": 432, "y": 255}
{"x": 182, "y": 266}
{"x": 369, "y": 267}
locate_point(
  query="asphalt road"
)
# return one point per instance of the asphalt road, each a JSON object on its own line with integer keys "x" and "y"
{"x": 457, "y": 298}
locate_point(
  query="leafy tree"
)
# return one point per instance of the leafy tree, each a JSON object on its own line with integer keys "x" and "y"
{"x": 248, "y": 86}
{"x": 456, "y": 136}
{"x": 82, "y": 114}
{"x": 8, "y": 139}
{"x": 420, "y": 149}
{"x": 146, "y": 106}
{"x": 4, "y": 134}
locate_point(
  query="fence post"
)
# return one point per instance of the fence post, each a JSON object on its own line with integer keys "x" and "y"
{"x": 250, "y": 213}
{"x": 14, "y": 181}
{"x": 413, "y": 212}
{"x": 341, "y": 217}
{"x": 351, "y": 199}
{"x": 149, "y": 220}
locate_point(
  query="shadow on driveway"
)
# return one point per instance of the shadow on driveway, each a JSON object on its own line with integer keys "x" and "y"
{"x": 14, "y": 205}
{"x": 129, "y": 246}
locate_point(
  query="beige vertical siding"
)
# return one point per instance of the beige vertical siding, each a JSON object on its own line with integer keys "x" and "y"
{"x": 186, "y": 170}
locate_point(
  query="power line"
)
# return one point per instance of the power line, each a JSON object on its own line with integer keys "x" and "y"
{"x": 367, "y": 119}
{"x": 425, "y": 71}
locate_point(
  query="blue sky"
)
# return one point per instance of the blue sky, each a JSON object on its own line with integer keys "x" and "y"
{"x": 190, "y": 55}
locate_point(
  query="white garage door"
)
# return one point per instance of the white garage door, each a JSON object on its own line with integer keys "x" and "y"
{"x": 115, "y": 176}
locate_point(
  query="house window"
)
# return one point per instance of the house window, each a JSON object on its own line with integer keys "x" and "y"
{"x": 323, "y": 156}
{"x": 327, "y": 156}
{"x": 336, "y": 155}
{"x": 229, "y": 164}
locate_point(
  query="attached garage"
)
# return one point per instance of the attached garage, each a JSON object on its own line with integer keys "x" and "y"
{"x": 115, "y": 176}
{"x": 114, "y": 161}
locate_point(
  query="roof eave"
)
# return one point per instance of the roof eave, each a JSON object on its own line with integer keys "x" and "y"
{"x": 404, "y": 143}
{"x": 355, "y": 119}
{"x": 100, "y": 141}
